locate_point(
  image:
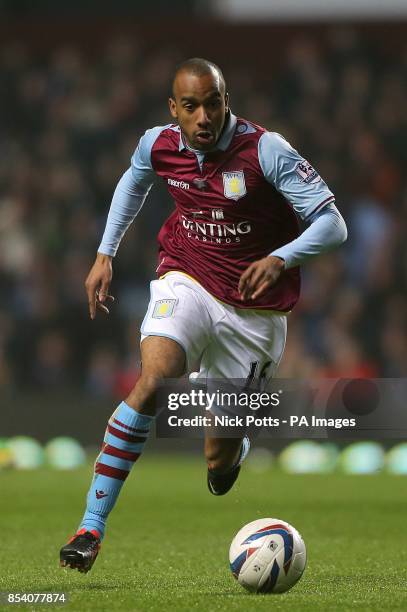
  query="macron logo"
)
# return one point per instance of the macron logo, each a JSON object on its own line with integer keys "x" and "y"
{"x": 179, "y": 184}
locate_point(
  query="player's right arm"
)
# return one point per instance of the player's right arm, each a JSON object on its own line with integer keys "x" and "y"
{"x": 128, "y": 198}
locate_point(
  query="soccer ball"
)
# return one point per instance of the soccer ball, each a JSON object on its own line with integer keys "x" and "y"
{"x": 267, "y": 556}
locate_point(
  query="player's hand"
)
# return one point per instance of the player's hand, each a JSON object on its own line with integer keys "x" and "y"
{"x": 97, "y": 285}
{"x": 260, "y": 276}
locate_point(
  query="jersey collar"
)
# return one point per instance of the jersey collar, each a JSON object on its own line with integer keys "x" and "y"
{"x": 225, "y": 138}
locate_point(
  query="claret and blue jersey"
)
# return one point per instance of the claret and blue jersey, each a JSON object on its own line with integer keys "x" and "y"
{"x": 233, "y": 206}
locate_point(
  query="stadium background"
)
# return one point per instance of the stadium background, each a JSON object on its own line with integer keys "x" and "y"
{"x": 77, "y": 89}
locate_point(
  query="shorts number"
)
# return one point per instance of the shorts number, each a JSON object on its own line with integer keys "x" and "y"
{"x": 254, "y": 366}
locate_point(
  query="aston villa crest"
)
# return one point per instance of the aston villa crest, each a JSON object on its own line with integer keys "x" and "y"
{"x": 234, "y": 186}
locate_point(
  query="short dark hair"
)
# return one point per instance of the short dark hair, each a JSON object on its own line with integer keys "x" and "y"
{"x": 199, "y": 67}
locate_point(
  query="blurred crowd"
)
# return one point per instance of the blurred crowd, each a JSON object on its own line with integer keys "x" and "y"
{"x": 69, "y": 124}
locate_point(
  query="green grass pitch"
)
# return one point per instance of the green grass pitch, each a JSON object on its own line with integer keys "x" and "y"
{"x": 168, "y": 539}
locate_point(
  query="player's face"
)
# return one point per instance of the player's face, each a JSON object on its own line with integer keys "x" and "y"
{"x": 199, "y": 105}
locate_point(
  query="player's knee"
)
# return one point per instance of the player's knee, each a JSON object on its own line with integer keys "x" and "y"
{"x": 149, "y": 382}
{"x": 143, "y": 395}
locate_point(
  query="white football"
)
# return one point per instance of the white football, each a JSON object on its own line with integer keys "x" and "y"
{"x": 267, "y": 556}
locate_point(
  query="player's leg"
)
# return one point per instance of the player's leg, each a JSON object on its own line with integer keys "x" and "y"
{"x": 128, "y": 428}
{"x": 221, "y": 453}
{"x": 248, "y": 345}
{"x": 224, "y": 457}
{"x": 169, "y": 342}
{"x": 161, "y": 358}
{"x": 126, "y": 434}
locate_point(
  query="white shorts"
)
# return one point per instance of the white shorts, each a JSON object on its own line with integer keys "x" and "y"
{"x": 225, "y": 342}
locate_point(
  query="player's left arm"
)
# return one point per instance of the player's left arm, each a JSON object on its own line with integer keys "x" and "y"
{"x": 312, "y": 200}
